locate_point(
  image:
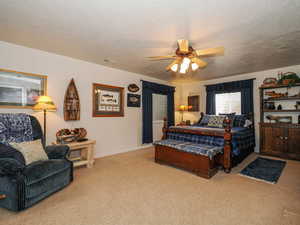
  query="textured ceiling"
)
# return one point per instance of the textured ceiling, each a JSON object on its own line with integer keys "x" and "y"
{"x": 257, "y": 34}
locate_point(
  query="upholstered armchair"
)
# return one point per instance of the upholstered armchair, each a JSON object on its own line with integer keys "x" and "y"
{"x": 21, "y": 186}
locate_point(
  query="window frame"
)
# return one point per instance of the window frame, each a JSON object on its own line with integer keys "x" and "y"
{"x": 223, "y": 93}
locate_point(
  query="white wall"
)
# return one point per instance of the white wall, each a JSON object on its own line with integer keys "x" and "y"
{"x": 198, "y": 88}
{"x": 113, "y": 134}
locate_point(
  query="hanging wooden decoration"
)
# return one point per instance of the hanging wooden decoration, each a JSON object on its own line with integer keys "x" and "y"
{"x": 72, "y": 103}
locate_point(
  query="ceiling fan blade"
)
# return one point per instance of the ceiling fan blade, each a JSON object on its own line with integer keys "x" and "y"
{"x": 210, "y": 51}
{"x": 183, "y": 45}
{"x": 199, "y": 62}
{"x": 176, "y": 61}
{"x": 162, "y": 57}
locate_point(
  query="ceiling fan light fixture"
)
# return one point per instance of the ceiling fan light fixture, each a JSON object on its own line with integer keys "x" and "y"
{"x": 174, "y": 68}
{"x": 186, "y": 62}
{"x": 187, "y": 58}
{"x": 182, "y": 70}
{"x": 194, "y": 66}
{"x": 185, "y": 65}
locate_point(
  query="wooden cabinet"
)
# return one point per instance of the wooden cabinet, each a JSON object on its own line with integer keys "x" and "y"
{"x": 293, "y": 142}
{"x": 282, "y": 140}
{"x": 278, "y": 138}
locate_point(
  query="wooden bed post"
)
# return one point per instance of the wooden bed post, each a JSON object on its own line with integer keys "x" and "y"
{"x": 227, "y": 146}
{"x": 165, "y": 129}
{"x": 201, "y": 116}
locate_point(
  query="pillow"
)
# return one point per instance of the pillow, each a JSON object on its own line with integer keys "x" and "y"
{"x": 216, "y": 121}
{"x": 204, "y": 120}
{"x": 229, "y": 116}
{"x": 32, "y": 150}
{"x": 239, "y": 120}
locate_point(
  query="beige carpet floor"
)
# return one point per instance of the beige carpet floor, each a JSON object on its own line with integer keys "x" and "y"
{"x": 131, "y": 189}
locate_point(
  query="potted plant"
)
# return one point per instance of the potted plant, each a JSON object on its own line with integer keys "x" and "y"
{"x": 289, "y": 78}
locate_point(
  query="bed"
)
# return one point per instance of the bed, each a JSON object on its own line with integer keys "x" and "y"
{"x": 203, "y": 149}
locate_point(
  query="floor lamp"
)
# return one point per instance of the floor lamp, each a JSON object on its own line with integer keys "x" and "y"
{"x": 44, "y": 103}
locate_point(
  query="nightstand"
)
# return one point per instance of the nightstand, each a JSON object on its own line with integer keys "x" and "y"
{"x": 86, "y": 153}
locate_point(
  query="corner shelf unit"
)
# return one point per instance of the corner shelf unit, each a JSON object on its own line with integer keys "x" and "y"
{"x": 283, "y": 110}
{"x": 281, "y": 99}
{"x": 280, "y": 139}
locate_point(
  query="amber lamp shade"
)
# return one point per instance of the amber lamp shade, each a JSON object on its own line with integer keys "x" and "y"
{"x": 182, "y": 109}
{"x": 44, "y": 103}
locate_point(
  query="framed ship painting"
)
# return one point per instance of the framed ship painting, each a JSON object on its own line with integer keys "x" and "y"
{"x": 108, "y": 101}
{"x": 19, "y": 89}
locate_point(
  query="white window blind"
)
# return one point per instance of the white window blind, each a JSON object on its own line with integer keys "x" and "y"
{"x": 159, "y": 105}
{"x": 228, "y": 103}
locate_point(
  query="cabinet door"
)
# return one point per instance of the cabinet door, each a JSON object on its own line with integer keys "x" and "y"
{"x": 273, "y": 140}
{"x": 277, "y": 136}
{"x": 293, "y": 142}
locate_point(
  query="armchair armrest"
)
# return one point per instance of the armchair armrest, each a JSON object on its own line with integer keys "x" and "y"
{"x": 10, "y": 166}
{"x": 57, "y": 151}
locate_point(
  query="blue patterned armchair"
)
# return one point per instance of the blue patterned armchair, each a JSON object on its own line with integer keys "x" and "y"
{"x": 22, "y": 186}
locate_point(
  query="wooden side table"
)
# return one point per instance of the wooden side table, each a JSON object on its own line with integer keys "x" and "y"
{"x": 86, "y": 149}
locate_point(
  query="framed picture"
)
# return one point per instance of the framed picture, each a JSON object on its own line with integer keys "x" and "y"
{"x": 20, "y": 90}
{"x": 193, "y": 102}
{"x": 133, "y": 100}
{"x": 108, "y": 101}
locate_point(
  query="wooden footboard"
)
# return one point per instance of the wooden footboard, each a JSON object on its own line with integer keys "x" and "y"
{"x": 199, "y": 164}
{"x": 224, "y": 159}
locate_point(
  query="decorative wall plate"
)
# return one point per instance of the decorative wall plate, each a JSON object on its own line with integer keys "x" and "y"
{"x": 133, "y": 88}
{"x": 270, "y": 81}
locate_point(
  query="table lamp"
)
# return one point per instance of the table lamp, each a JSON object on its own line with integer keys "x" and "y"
{"x": 44, "y": 103}
{"x": 182, "y": 109}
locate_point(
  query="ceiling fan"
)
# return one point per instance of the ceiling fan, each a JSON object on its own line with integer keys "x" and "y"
{"x": 186, "y": 57}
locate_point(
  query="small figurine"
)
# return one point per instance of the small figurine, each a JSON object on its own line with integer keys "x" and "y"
{"x": 269, "y": 105}
{"x": 279, "y": 107}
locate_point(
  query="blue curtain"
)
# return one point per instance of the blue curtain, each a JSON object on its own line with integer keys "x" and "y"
{"x": 210, "y": 103}
{"x": 148, "y": 89}
{"x": 247, "y": 97}
{"x": 243, "y": 86}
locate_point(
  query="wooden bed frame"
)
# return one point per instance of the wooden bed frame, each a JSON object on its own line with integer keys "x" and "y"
{"x": 199, "y": 164}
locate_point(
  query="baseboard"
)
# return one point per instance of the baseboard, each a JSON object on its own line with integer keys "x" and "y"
{"x": 125, "y": 150}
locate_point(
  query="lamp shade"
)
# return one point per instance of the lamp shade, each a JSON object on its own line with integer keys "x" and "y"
{"x": 44, "y": 103}
{"x": 184, "y": 107}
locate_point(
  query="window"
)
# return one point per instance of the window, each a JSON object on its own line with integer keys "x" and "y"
{"x": 228, "y": 103}
{"x": 159, "y": 106}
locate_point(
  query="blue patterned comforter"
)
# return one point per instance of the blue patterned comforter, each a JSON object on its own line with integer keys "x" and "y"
{"x": 242, "y": 138}
{"x": 199, "y": 149}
